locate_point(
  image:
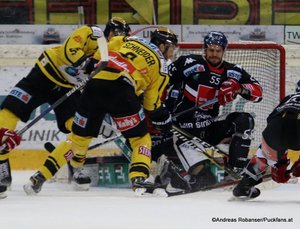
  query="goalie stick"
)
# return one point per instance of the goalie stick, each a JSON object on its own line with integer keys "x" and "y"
{"x": 102, "y": 45}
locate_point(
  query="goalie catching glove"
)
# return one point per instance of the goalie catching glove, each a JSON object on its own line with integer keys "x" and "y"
{"x": 161, "y": 119}
{"x": 228, "y": 91}
{"x": 11, "y": 139}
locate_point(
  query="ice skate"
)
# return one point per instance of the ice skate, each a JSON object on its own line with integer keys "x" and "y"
{"x": 35, "y": 184}
{"x": 3, "y": 190}
{"x": 80, "y": 180}
{"x": 140, "y": 186}
{"x": 245, "y": 190}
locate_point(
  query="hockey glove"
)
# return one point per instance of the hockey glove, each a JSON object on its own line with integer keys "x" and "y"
{"x": 161, "y": 119}
{"x": 11, "y": 139}
{"x": 296, "y": 168}
{"x": 279, "y": 171}
{"x": 228, "y": 91}
{"x": 88, "y": 65}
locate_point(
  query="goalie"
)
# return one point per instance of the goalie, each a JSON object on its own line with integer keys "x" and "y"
{"x": 195, "y": 79}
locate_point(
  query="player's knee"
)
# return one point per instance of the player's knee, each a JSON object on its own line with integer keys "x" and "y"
{"x": 244, "y": 124}
{"x": 68, "y": 124}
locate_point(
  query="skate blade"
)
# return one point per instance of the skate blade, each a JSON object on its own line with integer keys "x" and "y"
{"x": 140, "y": 191}
{"x": 28, "y": 190}
{"x": 3, "y": 195}
{"x": 240, "y": 199}
{"x": 160, "y": 192}
{"x": 81, "y": 187}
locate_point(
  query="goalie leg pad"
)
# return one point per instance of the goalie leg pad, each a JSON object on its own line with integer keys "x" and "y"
{"x": 188, "y": 156}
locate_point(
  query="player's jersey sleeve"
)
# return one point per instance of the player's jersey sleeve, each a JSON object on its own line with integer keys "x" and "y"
{"x": 82, "y": 43}
{"x": 252, "y": 89}
{"x": 176, "y": 69}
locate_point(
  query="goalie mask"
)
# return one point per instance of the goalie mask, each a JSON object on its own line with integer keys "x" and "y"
{"x": 118, "y": 26}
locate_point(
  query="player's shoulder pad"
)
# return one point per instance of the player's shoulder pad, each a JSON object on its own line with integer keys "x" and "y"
{"x": 148, "y": 44}
{"x": 235, "y": 71}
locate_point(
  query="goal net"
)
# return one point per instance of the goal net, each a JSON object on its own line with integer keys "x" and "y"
{"x": 265, "y": 62}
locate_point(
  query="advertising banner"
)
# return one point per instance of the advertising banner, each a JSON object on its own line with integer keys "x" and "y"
{"x": 235, "y": 33}
{"x": 292, "y": 35}
{"x": 34, "y": 34}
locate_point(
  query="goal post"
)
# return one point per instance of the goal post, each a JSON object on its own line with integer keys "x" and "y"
{"x": 265, "y": 62}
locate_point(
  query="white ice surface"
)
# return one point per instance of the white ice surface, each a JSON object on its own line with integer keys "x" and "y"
{"x": 59, "y": 207}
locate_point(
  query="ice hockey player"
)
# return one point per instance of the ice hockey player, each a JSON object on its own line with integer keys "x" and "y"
{"x": 135, "y": 66}
{"x": 56, "y": 71}
{"x": 280, "y": 135}
{"x": 196, "y": 79}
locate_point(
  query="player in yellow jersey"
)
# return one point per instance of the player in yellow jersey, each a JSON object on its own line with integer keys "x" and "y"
{"x": 135, "y": 66}
{"x": 57, "y": 70}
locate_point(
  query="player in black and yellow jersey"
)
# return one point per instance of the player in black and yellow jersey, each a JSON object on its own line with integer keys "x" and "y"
{"x": 135, "y": 66}
{"x": 56, "y": 71}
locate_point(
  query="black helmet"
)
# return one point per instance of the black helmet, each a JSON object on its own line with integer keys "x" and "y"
{"x": 216, "y": 38}
{"x": 118, "y": 25}
{"x": 163, "y": 35}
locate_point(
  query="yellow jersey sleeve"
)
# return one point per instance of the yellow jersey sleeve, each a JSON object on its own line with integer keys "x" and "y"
{"x": 80, "y": 44}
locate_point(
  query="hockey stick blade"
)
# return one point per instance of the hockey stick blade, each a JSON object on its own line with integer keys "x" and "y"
{"x": 49, "y": 147}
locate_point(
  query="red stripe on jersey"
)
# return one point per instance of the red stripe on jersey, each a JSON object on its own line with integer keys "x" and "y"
{"x": 117, "y": 62}
{"x": 255, "y": 91}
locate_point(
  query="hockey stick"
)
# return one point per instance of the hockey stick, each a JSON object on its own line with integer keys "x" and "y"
{"x": 50, "y": 147}
{"x": 207, "y": 103}
{"x": 202, "y": 147}
{"x": 144, "y": 28}
{"x": 102, "y": 45}
{"x": 119, "y": 136}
